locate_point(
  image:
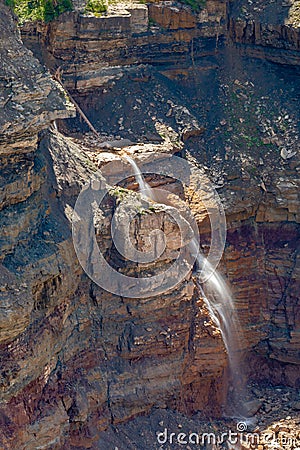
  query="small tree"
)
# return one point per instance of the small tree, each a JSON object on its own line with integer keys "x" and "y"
{"x": 10, "y": 3}
{"x": 45, "y": 10}
{"x": 64, "y": 5}
{"x": 48, "y": 11}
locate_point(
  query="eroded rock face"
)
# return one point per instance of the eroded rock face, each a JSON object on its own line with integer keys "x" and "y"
{"x": 85, "y": 358}
{"x": 75, "y": 358}
{"x": 172, "y": 17}
{"x": 125, "y": 36}
{"x": 30, "y": 99}
{"x": 265, "y": 30}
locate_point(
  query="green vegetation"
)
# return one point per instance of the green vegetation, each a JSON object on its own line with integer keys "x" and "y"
{"x": 294, "y": 14}
{"x": 120, "y": 193}
{"x": 44, "y": 10}
{"x": 196, "y": 5}
{"x": 96, "y": 7}
{"x": 252, "y": 141}
{"x": 151, "y": 22}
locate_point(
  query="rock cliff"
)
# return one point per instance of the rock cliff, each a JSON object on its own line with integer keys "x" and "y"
{"x": 91, "y": 50}
{"x": 268, "y": 31}
{"x": 75, "y": 358}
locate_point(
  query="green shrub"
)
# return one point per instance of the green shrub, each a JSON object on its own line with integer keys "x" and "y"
{"x": 49, "y": 11}
{"x": 96, "y": 6}
{"x": 33, "y": 10}
{"x": 64, "y": 5}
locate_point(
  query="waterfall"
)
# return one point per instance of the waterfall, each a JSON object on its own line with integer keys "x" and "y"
{"x": 145, "y": 189}
{"x": 220, "y": 304}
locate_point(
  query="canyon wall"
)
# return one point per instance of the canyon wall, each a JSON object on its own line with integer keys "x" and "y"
{"x": 277, "y": 42}
{"x": 92, "y": 50}
{"x": 75, "y": 358}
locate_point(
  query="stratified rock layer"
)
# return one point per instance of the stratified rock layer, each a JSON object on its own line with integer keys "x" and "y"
{"x": 75, "y": 358}
{"x": 93, "y": 50}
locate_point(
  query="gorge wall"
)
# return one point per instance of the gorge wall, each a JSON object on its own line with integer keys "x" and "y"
{"x": 75, "y": 358}
{"x": 91, "y": 50}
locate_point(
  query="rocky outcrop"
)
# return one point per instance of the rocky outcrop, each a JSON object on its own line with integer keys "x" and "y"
{"x": 30, "y": 101}
{"x": 172, "y": 17}
{"x": 92, "y": 50}
{"x": 268, "y": 31}
{"x": 278, "y": 43}
{"x": 75, "y": 363}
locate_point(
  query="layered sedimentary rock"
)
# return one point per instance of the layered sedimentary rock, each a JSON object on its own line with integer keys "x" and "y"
{"x": 269, "y": 31}
{"x": 85, "y": 358}
{"x": 262, "y": 262}
{"x": 92, "y": 50}
{"x": 30, "y": 102}
{"x": 277, "y": 43}
{"x": 75, "y": 358}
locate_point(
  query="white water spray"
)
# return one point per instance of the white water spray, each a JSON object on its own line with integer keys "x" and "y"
{"x": 220, "y": 304}
{"x": 145, "y": 189}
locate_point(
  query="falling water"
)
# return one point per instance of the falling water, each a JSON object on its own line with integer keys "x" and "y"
{"x": 220, "y": 304}
{"x": 144, "y": 187}
{"x": 221, "y": 307}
